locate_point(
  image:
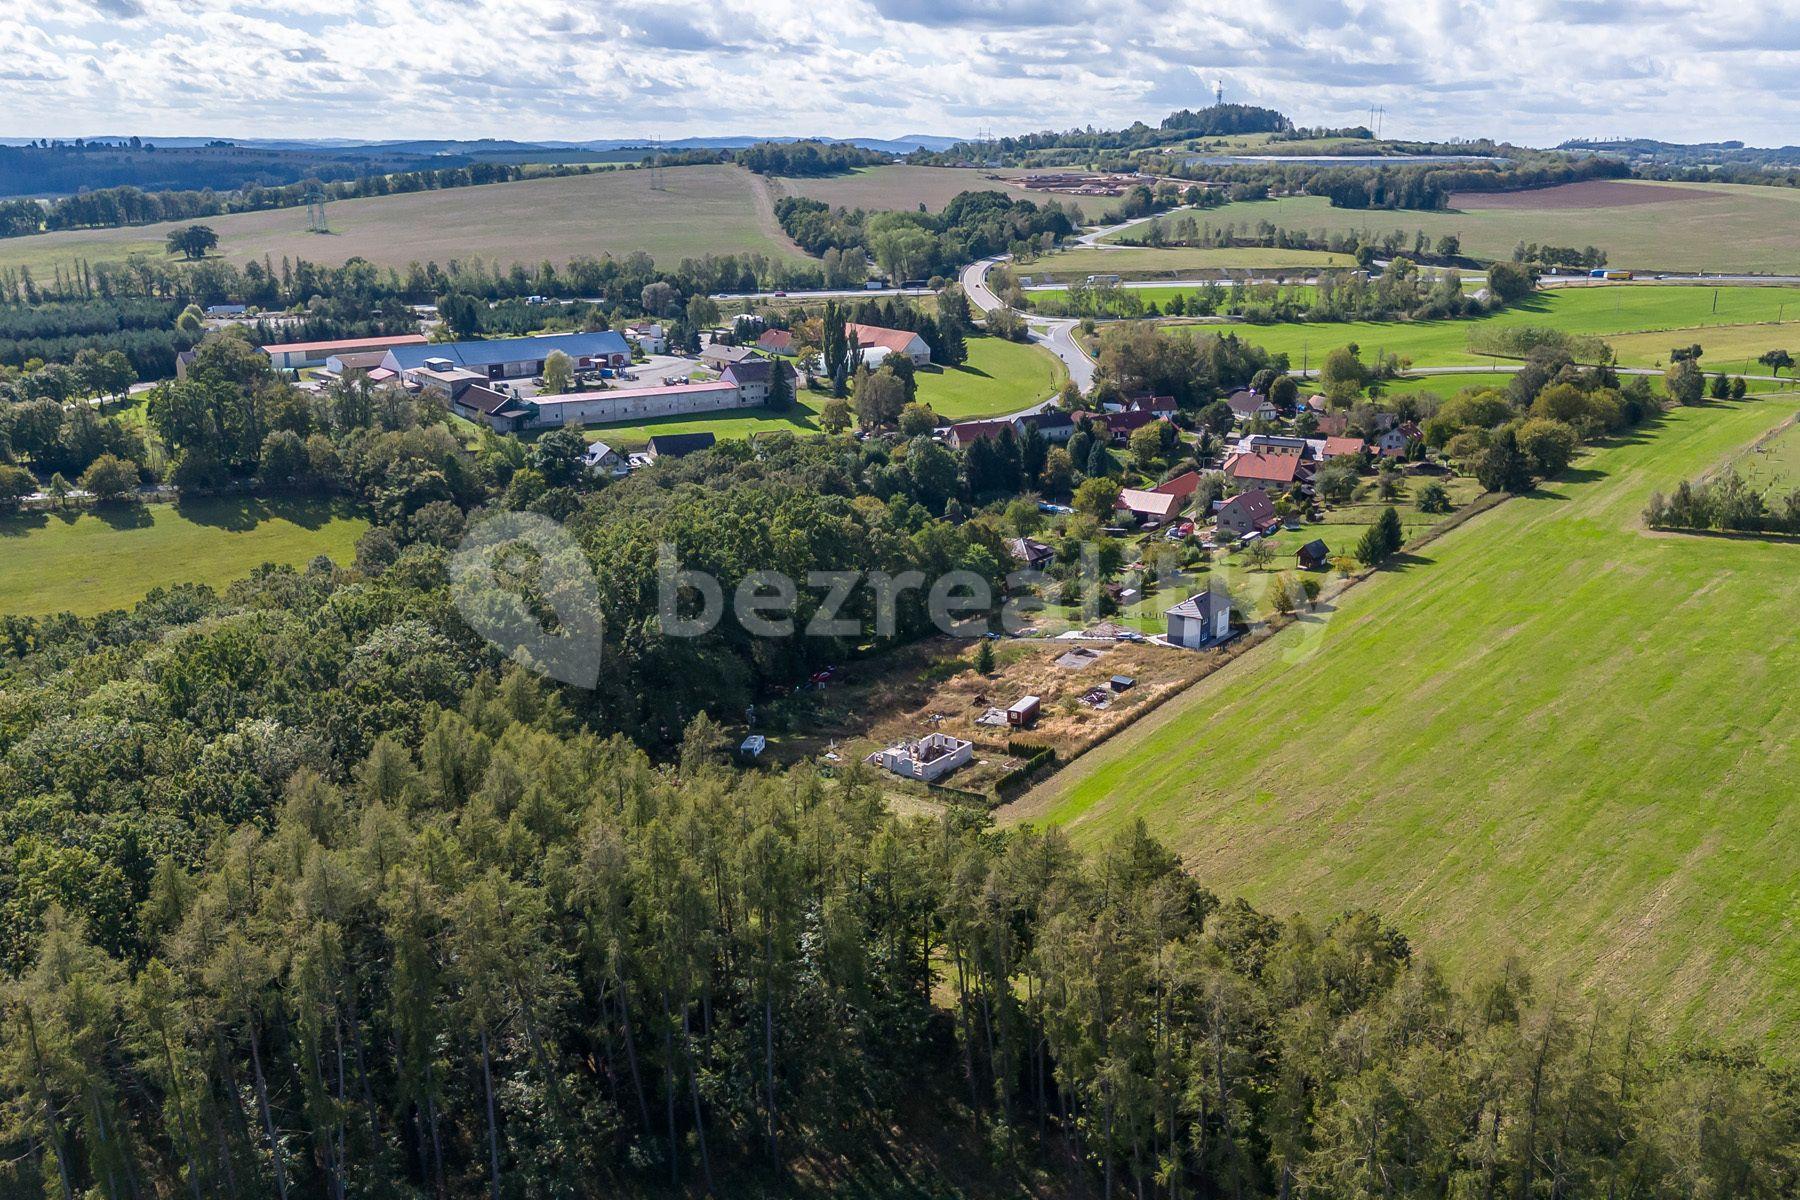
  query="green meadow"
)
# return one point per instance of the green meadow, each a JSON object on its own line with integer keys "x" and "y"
{"x": 1685, "y": 226}
{"x": 1548, "y": 731}
{"x": 93, "y": 560}
{"x": 1661, "y": 314}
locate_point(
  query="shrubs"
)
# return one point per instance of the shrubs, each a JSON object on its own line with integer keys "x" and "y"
{"x": 1725, "y": 503}
{"x": 110, "y": 477}
{"x": 1433, "y": 498}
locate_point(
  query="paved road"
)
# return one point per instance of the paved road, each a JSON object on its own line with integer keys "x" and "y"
{"x": 1055, "y": 334}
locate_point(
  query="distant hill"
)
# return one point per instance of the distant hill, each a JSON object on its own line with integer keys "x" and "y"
{"x": 66, "y": 167}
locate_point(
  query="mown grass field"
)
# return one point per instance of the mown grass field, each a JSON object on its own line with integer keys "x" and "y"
{"x": 1000, "y": 377}
{"x": 800, "y": 417}
{"x": 905, "y": 187}
{"x": 701, "y": 210}
{"x": 95, "y": 560}
{"x": 1551, "y": 733}
{"x": 1135, "y": 263}
{"x": 1691, "y": 227}
{"x": 1677, "y": 315}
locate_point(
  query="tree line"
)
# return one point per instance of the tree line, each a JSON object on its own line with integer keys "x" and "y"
{"x": 919, "y": 245}
{"x": 113, "y": 207}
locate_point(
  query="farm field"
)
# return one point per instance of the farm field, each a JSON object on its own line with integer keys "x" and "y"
{"x": 1772, "y": 465}
{"x": 702, "y": 210}
{"x": 1146, "y": 263}
{"x": 1688, "y": 227}
{"x": 93, "y": 561}
{"x": 1728, "y": 347}
{"x": 1516, "y": 741}
{"x": 906, "y": 187}
{"x": 1678, "y": 315}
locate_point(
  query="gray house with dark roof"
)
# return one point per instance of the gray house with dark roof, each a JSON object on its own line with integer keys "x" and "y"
{"x": 1199, "y": 620}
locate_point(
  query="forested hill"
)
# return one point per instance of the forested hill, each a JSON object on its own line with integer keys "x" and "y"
{"x": 304, "y": 894}
{"x": 65, "y": 168}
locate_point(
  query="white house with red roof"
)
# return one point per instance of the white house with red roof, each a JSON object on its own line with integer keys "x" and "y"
{"x": 876, "y": 343}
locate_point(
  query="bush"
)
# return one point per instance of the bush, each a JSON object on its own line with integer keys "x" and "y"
{"x": 110, "y": 477}
{"x": 1433, "y": 498}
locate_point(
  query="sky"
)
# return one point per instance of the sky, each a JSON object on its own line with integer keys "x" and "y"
{"x": 1530, "y": 71}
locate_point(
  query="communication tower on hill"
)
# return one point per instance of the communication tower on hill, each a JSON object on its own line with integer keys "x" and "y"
{"x": 1218, "y": 92}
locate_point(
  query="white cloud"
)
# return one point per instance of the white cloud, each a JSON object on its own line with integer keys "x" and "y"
{"x": 1529, "y": 70}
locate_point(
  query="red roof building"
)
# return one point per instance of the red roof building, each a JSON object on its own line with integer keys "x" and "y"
{"x": 1266, "y": 467}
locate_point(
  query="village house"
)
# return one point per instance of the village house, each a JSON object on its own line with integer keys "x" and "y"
{"x": 752, "y": 378}
{"x": 649, "y": 337}
{"x": 293, "y": 356}
{"x": 966, "y": 433}
{"x": 1053, "y": 425}
{"x": 1247, "y": 405}
{"x": 718, "y": 355}
{"x": 775, "y": 341}
{"x": 1200, "y": 620}
{"x": 1395, "y": 442}
{"x": 1181, "y": 487}
{"x": 1281, "y": 467}
{"x": 1162, "y": 406}
{"x": 1120, "y": 425}
{"x": 876, "y": 343}
{"x": 602, "y": 459}
{"x": 511, "y": 358}
{"x": 678, "y": 445}
{"x": 1031, "y": 554}
{"x": 1246, "y": 512}
{"x": 499, "y": 411}
{"x": 1340, "y": 447}
{"x": 1149, "y": 508}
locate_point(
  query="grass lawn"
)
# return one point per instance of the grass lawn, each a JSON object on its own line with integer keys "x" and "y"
{"x": 93, "y": 561}
{"x": 1552, "y": 733}
{"x": 1673, "y": 315}
{"x": 1000, "y": 377}
{"x": 701, "y": 210}
{"x": 1728, "y": 347}
{"x": 801, "y": 417}
{"x": 1689, "y": 227}
{"x": 1146, "y": 263}
{"x": 1299, "y": 292}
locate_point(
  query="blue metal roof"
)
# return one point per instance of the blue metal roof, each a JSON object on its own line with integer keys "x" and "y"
{"x": 506, "y": 350}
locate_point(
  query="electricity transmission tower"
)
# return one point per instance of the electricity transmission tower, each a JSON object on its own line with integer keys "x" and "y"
{"x": 656, "y": 170}
{"x": 315, "y": 213}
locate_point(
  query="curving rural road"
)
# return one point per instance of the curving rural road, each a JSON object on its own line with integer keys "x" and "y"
{"x": 1055, "y": 334}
